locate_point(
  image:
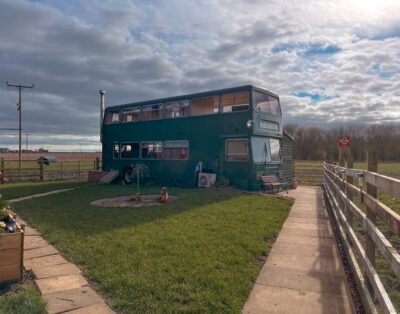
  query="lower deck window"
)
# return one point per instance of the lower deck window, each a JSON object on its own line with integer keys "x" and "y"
{"x": 129, "y": 150}
{"x": 152, "y": 150}
{"x": 266, "y": 149}
{"x": 176, "y": 150}
{"x": 236, "y": 150}
{"x": 116, "y": 151}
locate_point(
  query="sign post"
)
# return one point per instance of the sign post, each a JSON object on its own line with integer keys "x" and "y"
{"x": 343, "y": 141}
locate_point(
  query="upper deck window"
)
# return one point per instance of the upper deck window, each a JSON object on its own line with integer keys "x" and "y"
{"x": 151, "y": 112}
{"x": 177, "y": 109}
{"x": 112, "y": 117}
{"x": 235, "y": 102}
{"x": 205, "y": 105}
{"x": 266, "y": 103}
{"x": 130, "y": 114}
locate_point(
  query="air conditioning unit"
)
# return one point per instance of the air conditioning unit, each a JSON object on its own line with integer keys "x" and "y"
{"x": 206, "y": 180}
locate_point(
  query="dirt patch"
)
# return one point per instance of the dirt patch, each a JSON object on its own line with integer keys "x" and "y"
{"x": 130, "y": 201}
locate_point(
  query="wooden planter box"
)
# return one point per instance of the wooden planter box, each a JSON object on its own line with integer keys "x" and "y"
{"x": 11, "y": 255}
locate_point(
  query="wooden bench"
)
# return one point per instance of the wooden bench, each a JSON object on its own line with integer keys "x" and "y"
{"x": 270, "y": 182}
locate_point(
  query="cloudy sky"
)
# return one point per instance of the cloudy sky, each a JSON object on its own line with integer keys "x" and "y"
{"x": 331, "y": 62}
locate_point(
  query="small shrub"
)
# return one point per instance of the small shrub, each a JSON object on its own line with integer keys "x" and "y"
{"x": 4, "y": 214}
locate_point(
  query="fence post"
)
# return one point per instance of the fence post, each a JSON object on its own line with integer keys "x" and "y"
{"x": 79, "y": 169}
{"x": 2, "y": 170}
{"x": 41, "y": 168}
{"x": 61, "y": 170}
{"x": 350, "y": 165}
{"x": 372, "y": 161}
{"x": 97, "y": 163}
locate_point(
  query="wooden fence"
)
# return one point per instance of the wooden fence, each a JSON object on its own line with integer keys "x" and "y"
{"x": 37, "y": 170}
{"x": 342, "y": 195}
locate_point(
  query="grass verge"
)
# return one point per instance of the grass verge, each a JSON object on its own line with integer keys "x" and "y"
{"x": 26, "y": 300}
{"x": 195, "y": 254}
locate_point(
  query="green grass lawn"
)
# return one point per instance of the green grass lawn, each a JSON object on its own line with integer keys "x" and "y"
{"x": 15, "y": 190}
{"x": 26, "y": 300}
{"x": 195, "y": 254}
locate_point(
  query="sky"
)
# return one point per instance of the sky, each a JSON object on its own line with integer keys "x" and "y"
{"x": 332, "y": 62}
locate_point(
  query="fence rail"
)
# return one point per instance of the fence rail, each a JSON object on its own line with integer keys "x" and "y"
{"x": 37, "y": 170}
{"x": 341, "y": 194}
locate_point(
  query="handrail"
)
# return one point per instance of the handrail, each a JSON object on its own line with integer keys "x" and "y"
{"x": 339, "y": 195}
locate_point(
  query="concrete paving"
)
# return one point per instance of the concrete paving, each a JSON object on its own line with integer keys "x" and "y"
{"x": 38, "y": 195}
{"x": 60, "y": 282}
{"x": 303, "y": 272}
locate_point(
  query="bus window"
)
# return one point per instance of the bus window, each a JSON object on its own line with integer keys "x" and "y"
{"x": 205, "y": 105}
{"x": 129, "y": 150}
{"x": 274, "y": 105}
{"x": 235, "y": 102}
{"x": 116, "y": 151}
{"x": 265, "y": 149}
{"x": 152, "y": 150}
{"x": 176, "y": 109}
{"x": 275, "y": 148}
{"x": 130, "y": 114}
{"x": 266, "y": 103}
{"x": 176, "y": 150}
{"x": 151, "y": 112}
{"x": 236, "y": 150}
{"x": 112, "y": 117}
{"x": 260, "y": 101}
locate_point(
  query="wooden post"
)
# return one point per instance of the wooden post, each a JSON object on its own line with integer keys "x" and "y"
{"x": 97, "y": 163}
{"x": 372, "y": 160}
{"x": 2, "y": 170}
{"x": 79, "y": 169}
{"x": 350, "y": 165}
{"x": 41, "y": 168}
{"x": 61, "y": 170}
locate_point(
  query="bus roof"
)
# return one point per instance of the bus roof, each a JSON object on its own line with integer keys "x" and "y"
{"x": 195, "y": 95}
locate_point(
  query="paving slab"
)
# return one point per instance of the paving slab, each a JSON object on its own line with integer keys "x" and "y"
{"x": 61, "y": 283}
{"x": 39, "y": 252}
{"x": 44, "y": 261}
{"x": 302, "y": 280}
{"x": 276, "y": 300}
{"x": 35, "y": 242}
{"x": 71, "y": 299}
{"x": 55, "y": 270}
{"x": 303, "y": 272}
{"x": 93, "y": 309}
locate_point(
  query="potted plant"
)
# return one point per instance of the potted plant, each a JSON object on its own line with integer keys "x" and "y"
{"x": 11, "y": 246}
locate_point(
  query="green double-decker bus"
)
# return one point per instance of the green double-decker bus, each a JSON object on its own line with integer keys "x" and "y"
{"x": 234, "y": 133}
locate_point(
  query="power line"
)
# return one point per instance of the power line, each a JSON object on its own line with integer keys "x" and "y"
{"x": 20, "y": 87}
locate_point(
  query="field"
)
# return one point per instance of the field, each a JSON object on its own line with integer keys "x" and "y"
{"x": 200, "y": 253}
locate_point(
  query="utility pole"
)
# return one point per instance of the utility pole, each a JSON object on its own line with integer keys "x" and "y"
{"x": 27, "y": 134}
{"x": 20, "y": 87}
